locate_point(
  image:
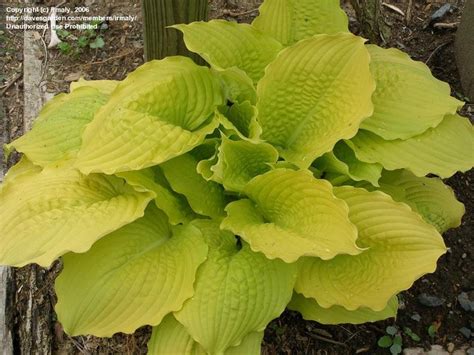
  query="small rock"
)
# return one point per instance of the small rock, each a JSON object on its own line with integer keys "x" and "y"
{"x": 450, "y": 347}
{"x": 401, "y": 304}
{"x": 464, "y": 256}
{"x": 470, "y": 351}
{"x": 465, "y": 302}
{"x": 414, "y": 351}
{"x": 437, "y": 350}
{"x": 430, "y": 301}
{"x": 466, "y": 332}
{"x": 73, "y": 76}
{"x": 441, "y": 12}
{"x": 416, "y": 317}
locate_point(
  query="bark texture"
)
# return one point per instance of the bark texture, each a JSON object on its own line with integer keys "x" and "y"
{"x": 371, "y": 20}
{"x": 465, "y": 49}
{"x": 161, "y": 41}
{"x": 29, "y": 315}
{"x": 6, "y": 344}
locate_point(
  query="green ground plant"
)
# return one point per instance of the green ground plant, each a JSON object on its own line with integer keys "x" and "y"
{"x": 392, "y": 340}
{"x": 204, "y": 201}
{"x": 75, "y": 44}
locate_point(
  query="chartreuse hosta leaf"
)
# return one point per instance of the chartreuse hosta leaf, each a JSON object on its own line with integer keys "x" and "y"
{"x": 311, "y": 310}
{"x": 173, "y": 205}
{"x": 162, "y": 110}
{"x": 429, "y": 197}
{"x": 56, "y": 134}
{"x": 238, "y": 85}
{"x": 132, "y": 277}
{"x": 104, "y": 86}
{"x": 292, "y": 20}
{"x": 24, "y": 166}
{"x": 240, "y": 161}
{"x": 197, "y": 200}
{"x": 225, "y": 45}
{"x": 342, "y": 160}
{"x": 206, "y": 155}
{"x": 46, "y": 214}
{"x": 314, "y": 94}
{"x": 442, "y": 150}
{"x": 401, "y": 247}
{"x": 408, "y": 99}
{"x": 237, "y": 292}
{"x": 250, "y": 345}
{"x": 290, "y": 214}
{"x": 205, "y": 197}
{"x": 240, "y": 120}
{"x": 170, "y": 337}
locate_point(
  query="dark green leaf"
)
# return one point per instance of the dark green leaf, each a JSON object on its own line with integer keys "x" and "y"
{"x": 397, "y": 340}
{"x": 410, "y": 333}
{"x": 385, "y": 341}
{"x": 65, "y": 47}
{"x": 97, "y": 43}
{"x": 62, "y": 34}
{"x": 391, "y": 330}
{"x": 82, "y": 41}
{"x": 395, "y": 349}
{"x": 432, "y": 330}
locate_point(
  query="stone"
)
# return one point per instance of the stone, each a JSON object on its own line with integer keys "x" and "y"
{"x": 441, "y": 12}
{"x": 413, "y": 351}
{"x": 437, "y": 350}
{"x": 466, "y": 332}
{"x": 465, "y": 302}
{"x": 464, "y": 47}
{"x": 430, "y": 300}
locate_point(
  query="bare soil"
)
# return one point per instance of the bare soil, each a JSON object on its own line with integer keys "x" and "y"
{"x": 289, "y": 334}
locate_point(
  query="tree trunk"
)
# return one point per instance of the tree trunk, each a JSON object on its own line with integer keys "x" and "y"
{"x": 28, "y": 292}
{"x": 371, "y": 20}
{"x": 6, "y": 344}
{"x": 33, "y": 317}
{"x": 161, "y": 41}
{"x": 465, "y": 49}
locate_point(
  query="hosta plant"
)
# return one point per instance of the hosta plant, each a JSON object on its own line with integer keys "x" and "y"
{"x": 203, "y": 201}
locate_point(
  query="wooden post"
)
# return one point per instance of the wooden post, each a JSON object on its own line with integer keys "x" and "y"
{"x": 28, "y": 290}
{"x": 6, "y": 344}
{"x": 372, "y": 23}
{"x": 160, "y": 41}
{"x": 465, "y": 50}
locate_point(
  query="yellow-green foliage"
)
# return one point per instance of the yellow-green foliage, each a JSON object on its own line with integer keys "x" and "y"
{"x": 205, "y": 200}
